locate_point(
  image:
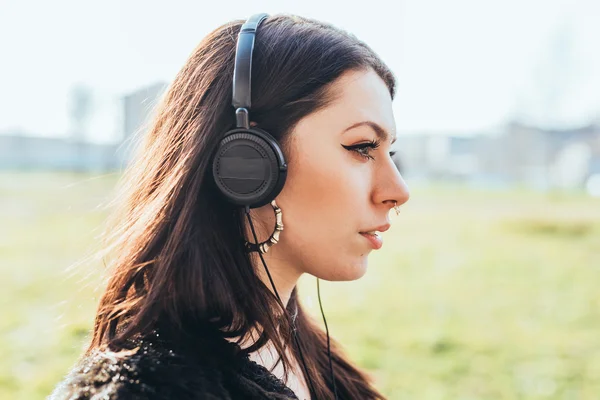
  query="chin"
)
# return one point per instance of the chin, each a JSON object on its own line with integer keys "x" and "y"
{"x": 346, "y": 272}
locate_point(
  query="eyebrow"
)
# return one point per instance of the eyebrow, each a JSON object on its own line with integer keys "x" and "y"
{"x": 381, "y": 133}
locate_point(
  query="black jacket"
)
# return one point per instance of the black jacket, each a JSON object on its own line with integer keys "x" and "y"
{"x": 156, "y": 368}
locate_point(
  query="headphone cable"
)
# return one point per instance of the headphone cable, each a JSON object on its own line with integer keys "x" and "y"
{"x": 312, "y": 389}
{"x": 328, "y": 342}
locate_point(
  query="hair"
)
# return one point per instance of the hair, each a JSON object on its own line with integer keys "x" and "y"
{"x": 178, "y": 249}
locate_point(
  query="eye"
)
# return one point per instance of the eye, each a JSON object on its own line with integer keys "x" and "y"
{"x": 364, "y": 149}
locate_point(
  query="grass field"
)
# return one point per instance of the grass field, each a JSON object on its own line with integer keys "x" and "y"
{"x": 476, "y": 294}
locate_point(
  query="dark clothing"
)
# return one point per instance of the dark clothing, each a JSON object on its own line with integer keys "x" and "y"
{"x": 157, "y": 368}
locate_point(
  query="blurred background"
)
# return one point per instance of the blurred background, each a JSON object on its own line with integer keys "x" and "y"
{"x": 487, "y": 286}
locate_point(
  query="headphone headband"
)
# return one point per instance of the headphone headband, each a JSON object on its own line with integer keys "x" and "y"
{"x": 242, "y": 70}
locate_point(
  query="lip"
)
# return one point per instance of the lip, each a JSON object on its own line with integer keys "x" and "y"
{"x": 381, "y": 228}
{"x": 376, "y": 241}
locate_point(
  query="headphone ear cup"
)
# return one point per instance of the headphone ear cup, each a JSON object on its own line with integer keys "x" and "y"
{"x": 249, "y": 167}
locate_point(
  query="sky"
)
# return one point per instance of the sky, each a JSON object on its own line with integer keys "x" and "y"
{"x": 461, "y": 65}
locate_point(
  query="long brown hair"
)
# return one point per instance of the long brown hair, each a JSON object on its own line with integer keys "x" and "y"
{"x": 178, "y": 247}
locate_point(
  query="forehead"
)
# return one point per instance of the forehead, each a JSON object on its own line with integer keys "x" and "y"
{"x": 362, "y": 96}
{"x": 356, "y": 96}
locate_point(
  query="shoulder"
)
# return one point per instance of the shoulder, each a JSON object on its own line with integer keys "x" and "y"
{"x": 148, "y": 371}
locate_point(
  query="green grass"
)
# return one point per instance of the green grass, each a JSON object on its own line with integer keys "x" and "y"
{"x": 476, "y": 294}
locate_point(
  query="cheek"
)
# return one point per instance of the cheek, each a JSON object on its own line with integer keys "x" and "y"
{"x": 323, "y": 209}
{"x": 327, "y": 191}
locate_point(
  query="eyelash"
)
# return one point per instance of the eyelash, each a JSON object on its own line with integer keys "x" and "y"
{"x": 363, "y": 149}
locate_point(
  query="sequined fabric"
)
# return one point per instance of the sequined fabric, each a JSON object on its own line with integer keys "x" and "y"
{"x": 155, "y": 369}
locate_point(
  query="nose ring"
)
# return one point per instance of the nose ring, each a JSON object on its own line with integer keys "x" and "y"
{"x": 396, "y": 208}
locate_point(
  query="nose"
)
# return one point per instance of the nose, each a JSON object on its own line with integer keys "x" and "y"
{"x": 390, "y": 188}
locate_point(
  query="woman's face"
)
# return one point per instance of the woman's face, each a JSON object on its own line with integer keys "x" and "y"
{"x": 336, "y": 190}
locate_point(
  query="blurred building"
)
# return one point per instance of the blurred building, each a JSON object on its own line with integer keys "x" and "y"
{"x": 27, "y": 152}
{"x": 21, "y": 152}
{"x": 550, "y": 158}
{"x": 429, "y": 156}
{"x": 515, "y": 154}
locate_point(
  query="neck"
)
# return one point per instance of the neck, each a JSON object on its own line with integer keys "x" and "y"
{"x": 285, "y": 277}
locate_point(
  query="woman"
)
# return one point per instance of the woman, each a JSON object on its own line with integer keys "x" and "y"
{"x": 194, "y": 308}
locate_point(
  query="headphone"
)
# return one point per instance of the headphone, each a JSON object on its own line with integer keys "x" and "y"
{"x": 249, "y": 167}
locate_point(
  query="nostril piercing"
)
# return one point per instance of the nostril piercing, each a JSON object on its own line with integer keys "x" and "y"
{"x": 396, "y": 208}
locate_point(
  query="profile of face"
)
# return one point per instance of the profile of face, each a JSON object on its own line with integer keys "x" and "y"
{"x": 341, "y": 182}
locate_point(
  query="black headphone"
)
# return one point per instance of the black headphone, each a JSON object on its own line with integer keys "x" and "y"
{"x": 249, "y": 167}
